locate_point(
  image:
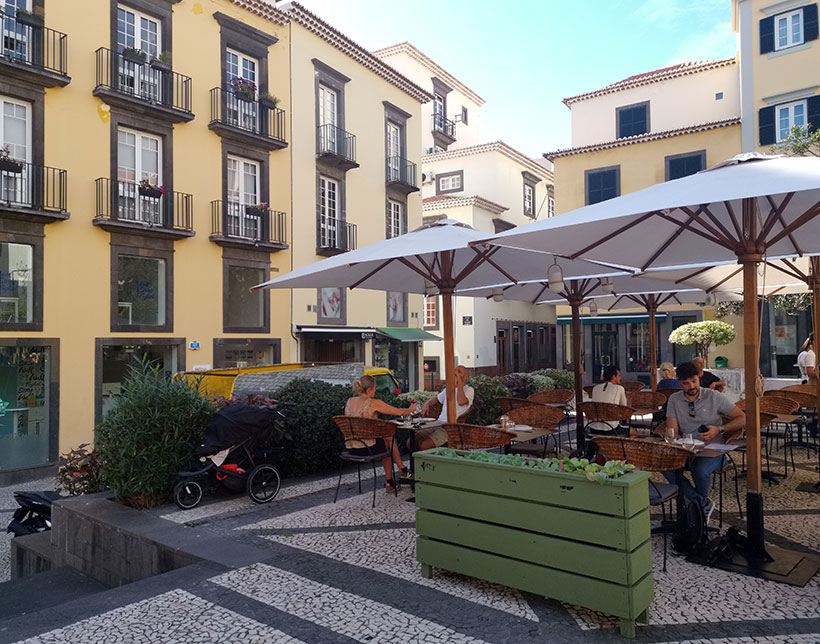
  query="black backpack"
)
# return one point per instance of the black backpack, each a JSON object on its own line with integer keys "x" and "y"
{"x": 690, "y": 529}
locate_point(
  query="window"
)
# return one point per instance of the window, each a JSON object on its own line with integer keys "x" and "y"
{"x": 789, "y": 29}
{"x": 141, "y": 286}
{"x": 637, "y": 341}
{"x": 439, "y": 112}
{"x": 529, "y": 200}
{"x": 243, "y": 219}
{"x": 395, "y": 162}
{"x": 788, "y": 116}
{"x": 464, "y": 115}
{"x": 431, "y": 310}
{"x": 139, "y": 157}
{"x": 682, "y": 165}
{"x": 16, "y": 284}
{"x": 244, "y": 309}
{"x": 15, "y": 133}
{"x": 328, "y": 106}
{"x": 550, "y": 206}
{"x": 602, "y": 184}
{"x": 632, "y": 120}
{"x": 396, "y": 309}
{"x": 449, "y": 182}
{"x": 230, "y": 353}
{"x": 329, "y": 223}
{"x": 241, "y": 70}
{"x": 395, "y": 218}
{"x": 136, "y": 30}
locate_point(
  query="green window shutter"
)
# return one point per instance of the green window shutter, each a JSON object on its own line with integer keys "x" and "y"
{"x": 767, "y": 35}
{"x": 813, "y": 113}
{"x": 810, "y": 26}
{"x": 765, "y": 121}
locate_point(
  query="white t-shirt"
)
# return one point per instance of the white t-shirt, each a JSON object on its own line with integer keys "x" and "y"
{"x": 804, "y": 360}
{"x": 607, "y": 392}
{"x": 469, "y": 392}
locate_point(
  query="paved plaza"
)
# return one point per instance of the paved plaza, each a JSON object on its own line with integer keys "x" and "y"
{"x": 346, "y": 572}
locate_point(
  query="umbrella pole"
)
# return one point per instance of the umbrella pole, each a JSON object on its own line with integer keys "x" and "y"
{"x": 653, "y": 347}
{"x": 815, "y": 310}
{"x": 575, "y": 303}
{"x": 449, "y": 353}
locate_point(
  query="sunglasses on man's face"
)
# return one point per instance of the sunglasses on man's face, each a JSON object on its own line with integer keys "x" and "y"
{"x": 691, "y": 408}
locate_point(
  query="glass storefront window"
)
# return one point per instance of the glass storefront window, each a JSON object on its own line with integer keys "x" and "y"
{"x": 568, "y": 346}
{"x": 637, "y": 347}
{"x": 16, "y": 283}
{"x": 117, "y": 361}
{"x": 141, "y": 290}
{"x": 394, "y": 355}
{"x": 785, "y": 333}
{"x": 25, "y": 386}
{"x": 244, "y": 355}
{"x": 245, "y": 307}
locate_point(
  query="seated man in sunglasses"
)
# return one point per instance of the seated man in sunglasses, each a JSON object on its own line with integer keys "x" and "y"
{"x": 696, "y": 411}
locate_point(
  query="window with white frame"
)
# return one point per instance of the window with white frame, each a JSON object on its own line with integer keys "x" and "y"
{"x": 395, "y": 216}
{"x": 448, "y": 183}
{"x": 431, "y": 310}
{"x": 789, "y": 29}
{"x": 329, "y": 213}
{"x": 136, "y": 30}
{"x": 331, "y": 141}
{"x": 139, "y": 176}
{"x": 550, "y": 206}
{"x": 438, "y": 112}
{"x": 15, "y": 138}
{"x": 529, "y": 200}
{"x": 244, "y": 208}
{"x": 241, "y": 108}
{"x": 789, "y": 115}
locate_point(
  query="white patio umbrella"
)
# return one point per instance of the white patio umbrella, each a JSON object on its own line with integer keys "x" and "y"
{"x": 435, "y": 258}
{"x": 741, "y": 210}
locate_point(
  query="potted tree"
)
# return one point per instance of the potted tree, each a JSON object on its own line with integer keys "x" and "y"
{"x": 148, "y": 189}
{"x": 136, "y": 56}
{"x": 162, "y": 62}
{"x": 268, "y": 100}
{"x": 243, "y": 88}
{"x": 703, "y": 335}
{"x": 257, "y": 210}
{"x": 7, "y": 164}
{"x": 29, "y": 18}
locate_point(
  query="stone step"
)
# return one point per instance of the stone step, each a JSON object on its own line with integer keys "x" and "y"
{"x": 34, "y": 593}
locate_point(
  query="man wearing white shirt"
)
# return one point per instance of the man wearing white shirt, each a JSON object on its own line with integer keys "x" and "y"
{"x": 807, "y": 361}
{"x": 436, "y": 437}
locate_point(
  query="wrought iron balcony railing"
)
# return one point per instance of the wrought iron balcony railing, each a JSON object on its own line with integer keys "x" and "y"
{"x": 251, "y": 224}
{"x": 332, "y": 141}
{"x": 133, "y": 74}
{"x": 336, "y": 235}
{"x": 130, "y": 203}
{"x": 38, "y": 187}
{"x": 255, "y": 116}
{"x": 444, "y": 125}
{"x": 27, "y": 42}
{"x": 400, "y": 170}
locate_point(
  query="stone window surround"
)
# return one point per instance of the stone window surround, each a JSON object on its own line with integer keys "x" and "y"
{"x": 672, "y": 157}
{"x": 618, "y": 111}
{"x": 441, "y": 175}
{"x": 159, "y": 9}
{"x": 325, "y": 75}
{"x": 340, "y": 321}
{"x": 236, "y": 35}
{"x": 398, "y": 117}
{"x": 245, "y": 259}
{"x": 341, "y": 206}
{"x": 261, "y": 157}
{"x": 149, "y": 247}
{"x": 124, "y": 119}
{"x": 220, "y": 343}
{"x": 15, "y": 231}
{"x": 587, "y": 173}
{"x": 36, "y": 99}
{"x": 441, "y": 88}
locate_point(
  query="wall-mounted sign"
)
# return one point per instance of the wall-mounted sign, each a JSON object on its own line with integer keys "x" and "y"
{"x": 467, "y": 320}
{"x": 193, "y": 345}
{"x": 367, "y": 335}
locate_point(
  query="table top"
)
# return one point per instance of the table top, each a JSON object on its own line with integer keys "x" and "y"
{"x": 706, "y": 450}
{"x": 786, "y": 419}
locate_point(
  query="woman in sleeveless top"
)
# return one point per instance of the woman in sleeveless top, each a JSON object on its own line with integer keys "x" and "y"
{"x": 365, "y": 405}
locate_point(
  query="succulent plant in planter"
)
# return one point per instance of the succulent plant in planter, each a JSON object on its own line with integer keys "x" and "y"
{"x": 136, "y": 56}
{"x": 148, "y": 189}
{"x": 243, "y": 88}
{"x": 30, "y": 18}
{"x": 256, "y": 210}
{"x": 269, "y": 101}
{"x": 162, "y": 62}
{"x": 7, "y": 163}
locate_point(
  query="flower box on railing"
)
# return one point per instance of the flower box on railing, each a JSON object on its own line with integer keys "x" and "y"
{"x": 29, "y": 18}
{"x": 551, "y": 533}
{"x": 135, "y": 56}
{"x": 151, "y": 191}
{"x": 11, "y": 166}
{"x": 256, "y": 211}
{"x": 268, "y": 103}
{"x": 160, "y": 65}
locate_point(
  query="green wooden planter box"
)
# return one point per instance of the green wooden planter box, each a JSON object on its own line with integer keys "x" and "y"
{"x": 548, "y": 533}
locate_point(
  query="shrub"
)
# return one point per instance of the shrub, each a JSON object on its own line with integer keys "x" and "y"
{"x": 258, "y": 400}
{"x": 541, "y": 382}
{"x": 314, "y": 440}
{"x": 151, "y": 434}
{"x": 561, "y": 379}
{"x": 79, "y": 471}
{"x": 519, "y": 384}
{"x": 419, "y": 396}
{"x": 485, "y": 408}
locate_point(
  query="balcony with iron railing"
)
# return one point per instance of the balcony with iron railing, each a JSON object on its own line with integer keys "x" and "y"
{"x": 334, "y": 236}
{"x": 254, "y": 121}
{"x": 32, "y": 191}
{"x": 33, "y": 52}
{"x": 130, "y": 206}
{"x": 133, "y": 80}
{"x": 401, "y": 175}
{"x": 444, "y": 130}
{"x": 236, "y": 225}
{"x": 336, "y": 147}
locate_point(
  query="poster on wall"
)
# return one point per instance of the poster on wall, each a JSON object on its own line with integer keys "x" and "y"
{"x": 31, "y": 381}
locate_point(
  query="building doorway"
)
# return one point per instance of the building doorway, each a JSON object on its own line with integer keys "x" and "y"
{"x": 501, "y": 348}
{"x": 683, "y": 352}
{"x": 605, "y": 349}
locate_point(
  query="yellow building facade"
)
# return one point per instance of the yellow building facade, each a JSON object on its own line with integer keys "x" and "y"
{"x": 158, "y": 159}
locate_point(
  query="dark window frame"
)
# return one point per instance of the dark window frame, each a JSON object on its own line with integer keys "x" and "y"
{"x": 442, "y": 175}
{"x": 633, "y": 106}
{"x": 219, "y": 345}
{"x": 674, "y": 157}
{"x": 337, "y": 175}
{"x": 342, "y": 320}
{"x": 403, "y": 223}
{"x": 124, "y": 119}
{"x": 229, "y": 261}
{"x": 159, "y": 9}
{"x": 532, "y": 181}
{"x": 406, "y": 322}
{"x": 593, "y": 171}
{"x": 247, "y": 40}
{"x": 30, "y": 234}
{"x": 26, "y": 94}
{"x": 325, "y": 75}
{"x": 262, "y": 157}
{"x": 464, "y": 115}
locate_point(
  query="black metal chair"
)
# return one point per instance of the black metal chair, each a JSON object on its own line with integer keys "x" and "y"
{"x": 357, "y": 431}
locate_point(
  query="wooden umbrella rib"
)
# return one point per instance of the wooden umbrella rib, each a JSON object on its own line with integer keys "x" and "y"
{"x": 372, "y": 273}
{"x": 543, "y": 288}
{"x": 620, "y": 297}
{"x": 695, "y": 231}
{"x": 614, "y": 234}
{"x": 782, "y": 221}
{"x": 411, "y": 266}
{"x": 797, "y": 223}
{"x": 725, "y": 279}
{"x": 589, "y": 290}
{"x": 789, "y": 269}
{"x": 717, "y": 222}
{"x": 475, "y": 262}
{"x": 423, "y": 262}
{"x": 667, "y": 243}
{"x": 492, "y": 263}
{"x": 774, "y": 216}
{"x": 728, "y": 242}
{"x": 695, "y": 274}
{"x": 731, "y": 212}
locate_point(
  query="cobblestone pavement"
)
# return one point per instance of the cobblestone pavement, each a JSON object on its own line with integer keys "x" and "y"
{"x": 346, "y": 572}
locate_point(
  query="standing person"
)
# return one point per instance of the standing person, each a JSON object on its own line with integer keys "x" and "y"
{"x": 668, "y": 379}
{"x": 609, "y": 391}
{"x": 807, "y": 362}
{"x": 437, "y": 436}
{"x": 365, "y": 405}
{"x": 707, "y": 379}
{"x": 697, "y": 411}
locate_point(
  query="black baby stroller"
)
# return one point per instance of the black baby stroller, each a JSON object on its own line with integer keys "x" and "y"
{"x": 237, "y": 453}
{"x": 34, "y": 513}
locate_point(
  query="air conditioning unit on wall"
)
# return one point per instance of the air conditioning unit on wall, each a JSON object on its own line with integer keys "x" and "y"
{"x": 428, "y": 177}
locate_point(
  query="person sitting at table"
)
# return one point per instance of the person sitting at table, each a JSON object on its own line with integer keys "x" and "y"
{"x": 365, "y": 405}
{"x": 668, "y": 380}
{"x": 437, "y": 436}
{"x": 807, "y": 362}
{"x": 687, "y": 412}
{"x": 708, "y": 379}
{"x": 609, "y": 391}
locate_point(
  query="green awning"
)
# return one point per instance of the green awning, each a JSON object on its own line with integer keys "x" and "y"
{"x": 636, "y": 318}
{"x": 407, "y": 334}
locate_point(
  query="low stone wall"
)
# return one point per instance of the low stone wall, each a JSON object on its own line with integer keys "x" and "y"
{"x": 31, "y": 554}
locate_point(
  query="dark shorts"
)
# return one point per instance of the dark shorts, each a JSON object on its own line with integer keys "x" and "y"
{"x": 620, "y": 430}
{"x": 378, "y": 448}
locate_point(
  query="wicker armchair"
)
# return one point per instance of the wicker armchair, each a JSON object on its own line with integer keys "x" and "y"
{"x": 605, "y": 412}
{"x": 356, "y": 431}
{"x": 506, "y": 403}
{"x": 436, "y": 408}
{"x": 552, "y": 397}
{"x": 805, "y": 400}
{"x": 803, "y": 389}
{"x": 646, "y": 403}
{"x": 541, "y": 417}
{"x": 463, "y": 436}
{"x": 588, "y": 390}
{"x": 667, "y": 392}
{"x": 632, "y": 385}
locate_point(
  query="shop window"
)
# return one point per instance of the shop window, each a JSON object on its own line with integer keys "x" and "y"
{"x": 141, "y": 285}
{"x": 243, "y": 308}
{"x": 637, "y": 339}
{"x": 16, "y": 284}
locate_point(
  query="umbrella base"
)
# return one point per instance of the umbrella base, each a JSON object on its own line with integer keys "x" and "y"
{"x": 809, "y": 487}
{"x": 783, "y": 565}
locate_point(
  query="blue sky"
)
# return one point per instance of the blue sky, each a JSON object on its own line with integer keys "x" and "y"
{"x": 524, "y": 56}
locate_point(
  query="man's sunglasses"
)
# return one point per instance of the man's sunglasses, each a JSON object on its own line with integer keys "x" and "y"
{"x": 691, "y": 408}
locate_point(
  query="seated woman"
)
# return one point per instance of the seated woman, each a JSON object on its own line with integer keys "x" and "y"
{"x": 365, "y": 405}
{"x": 668, "y": 380}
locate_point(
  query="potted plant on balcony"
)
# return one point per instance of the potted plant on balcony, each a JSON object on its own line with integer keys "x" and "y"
{"x": 148, "y": 189}
{"x": 136, "y": 56}
{"x": 268, "y": 100}
{"x": 29, "y": 18}
{"x": 7, "y": 164}
{"x": 162, "y": 63}
{"x": 257, "y": 210}
{"x": 243, "y": 88}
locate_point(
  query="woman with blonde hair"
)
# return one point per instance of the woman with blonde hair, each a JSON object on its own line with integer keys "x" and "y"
{"x": 668, "y": 379}
{"x": 366, "y": 405}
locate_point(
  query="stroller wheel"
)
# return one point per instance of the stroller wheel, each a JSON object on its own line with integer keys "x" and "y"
{"x": 263, "y": 483}
{"x": 187, "y": 494}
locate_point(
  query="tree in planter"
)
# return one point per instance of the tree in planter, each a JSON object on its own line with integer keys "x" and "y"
{"x": 703, "y": 335}
{"x": 150, "y": 435}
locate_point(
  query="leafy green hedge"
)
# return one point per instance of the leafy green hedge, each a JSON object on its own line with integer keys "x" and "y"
{"x": 485, "y": 408}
